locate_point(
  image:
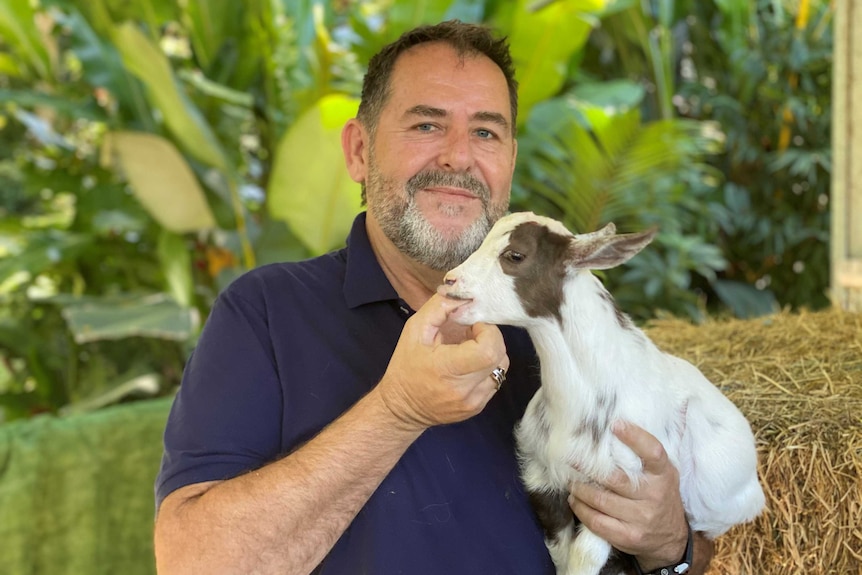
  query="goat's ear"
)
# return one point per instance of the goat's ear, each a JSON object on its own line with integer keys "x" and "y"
{"x": 604, "y": 249}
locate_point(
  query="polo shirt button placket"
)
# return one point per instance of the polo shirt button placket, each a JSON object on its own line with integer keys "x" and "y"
{"x": 404, "y": 308}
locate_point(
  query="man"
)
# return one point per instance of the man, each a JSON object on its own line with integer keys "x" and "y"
{"x": 325, "y": 427}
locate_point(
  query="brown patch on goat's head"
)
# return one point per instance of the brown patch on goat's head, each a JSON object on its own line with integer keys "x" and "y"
{"x": 536, "y": 258}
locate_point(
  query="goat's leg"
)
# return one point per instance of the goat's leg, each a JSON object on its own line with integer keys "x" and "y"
{"x": 588, "y": 553}
{"x": 558, "y": 522}
{"x": 559, "y": 547}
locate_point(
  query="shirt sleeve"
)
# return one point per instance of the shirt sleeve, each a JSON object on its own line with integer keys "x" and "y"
{"x": 226, "y": 417}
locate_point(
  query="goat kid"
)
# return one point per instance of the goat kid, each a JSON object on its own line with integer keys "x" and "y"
{"x": 598, "y": 368}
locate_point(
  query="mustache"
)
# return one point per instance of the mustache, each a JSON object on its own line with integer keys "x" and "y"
{"x": 432, "y": 178}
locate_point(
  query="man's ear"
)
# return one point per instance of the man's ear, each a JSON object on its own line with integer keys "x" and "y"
{"x": 354, "y": 144}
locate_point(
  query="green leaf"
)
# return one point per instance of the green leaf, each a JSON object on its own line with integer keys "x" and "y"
{"x": 210, "y": 24}
{"x": 41, "y": 251}
{"x": 543, "y": 42}
{"x": 84, "y": 110}
{"x": 16, "y": 338}
{"x": 598, "y": 163}
{"x": 177, "y": 266}
{"x": 162, "y": 180}
{"x": 746, "y": 301}
{"x": 18, "y": 28}
{"x": 186, "y": 123}
{"x": 101, "y": 63}
{"x": 276, "y": 243}
{"x": 156, "y": 315}
{"x": 146, "y": 385}
{"x": 18, "y": 405}
{"x": 406, "y": 14}
{"x": 310, "y": 188}
{"x": 614, "y": 96}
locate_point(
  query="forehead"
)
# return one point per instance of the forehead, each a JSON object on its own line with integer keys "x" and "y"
{"x": 434, "y": 74}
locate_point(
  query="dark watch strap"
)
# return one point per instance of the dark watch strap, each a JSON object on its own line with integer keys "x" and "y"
{"x": 682, "y": 566}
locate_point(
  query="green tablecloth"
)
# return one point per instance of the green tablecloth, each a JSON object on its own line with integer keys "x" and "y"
{"x": 76, "y": 493}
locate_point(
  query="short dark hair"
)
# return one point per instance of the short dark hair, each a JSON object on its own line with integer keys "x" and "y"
{"x": 467, "y": 39}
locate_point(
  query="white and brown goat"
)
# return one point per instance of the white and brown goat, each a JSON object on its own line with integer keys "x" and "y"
{"x": 598, "y": 368}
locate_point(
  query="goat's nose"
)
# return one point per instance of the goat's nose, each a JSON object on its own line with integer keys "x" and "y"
{"x": 449, "y": 281}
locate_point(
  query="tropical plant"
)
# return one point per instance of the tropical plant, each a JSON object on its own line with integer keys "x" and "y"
{"x": 152, "y": 150}
{"x": 142, "y": 141}
{"x": 609, "y": 151}
{"x": 760, "y": 72}
{"x": 767, "y": 79}
{"x": 158, "y": 149}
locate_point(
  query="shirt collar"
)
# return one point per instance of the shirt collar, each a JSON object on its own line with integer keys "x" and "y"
{"x": 364, "y": 280}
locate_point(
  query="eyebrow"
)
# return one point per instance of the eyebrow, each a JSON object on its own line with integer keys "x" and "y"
{"x": 432, "y": 112}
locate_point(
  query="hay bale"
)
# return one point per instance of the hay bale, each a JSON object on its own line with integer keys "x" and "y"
{"x": 798, "y": 379}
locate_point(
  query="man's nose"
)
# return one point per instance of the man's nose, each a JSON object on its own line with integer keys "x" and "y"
{"x": 457, "y": 153}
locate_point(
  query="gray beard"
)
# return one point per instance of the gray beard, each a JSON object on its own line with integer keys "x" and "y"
{"x": 416, "y": 237}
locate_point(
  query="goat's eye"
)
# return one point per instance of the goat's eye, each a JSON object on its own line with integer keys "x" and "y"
{"x": 513, "y": 256}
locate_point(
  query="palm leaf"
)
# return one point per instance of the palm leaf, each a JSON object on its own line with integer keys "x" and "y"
{"x": 597, "y": 169}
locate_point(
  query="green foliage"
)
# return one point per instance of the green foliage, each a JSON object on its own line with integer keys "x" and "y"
{"x": 72, "y": 244}
{"x": 742, "y": 66}
{"x": 318, "y": 221}
{"x": 542, "y": 41}
{"x": 151, "y": 151}
{"x": 772, "y": 211}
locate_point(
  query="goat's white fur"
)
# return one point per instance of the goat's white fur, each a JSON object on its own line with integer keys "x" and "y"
{"x": 597, "y": 367}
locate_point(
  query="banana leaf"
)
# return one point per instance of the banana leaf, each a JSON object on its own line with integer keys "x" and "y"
{"x": 310, "y": 188}
{"x": 108, "y": 318}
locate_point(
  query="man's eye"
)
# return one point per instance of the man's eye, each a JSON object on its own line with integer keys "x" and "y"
{"x": 425, "y": 127}
{"x": 485, "y": 134}
{"x": 513, "y": 256}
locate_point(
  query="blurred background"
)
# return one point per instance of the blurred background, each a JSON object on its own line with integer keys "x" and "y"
{"x": 153, "y": 150}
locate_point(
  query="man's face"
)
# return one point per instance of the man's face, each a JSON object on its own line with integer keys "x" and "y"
{"x": 440, "y": 165}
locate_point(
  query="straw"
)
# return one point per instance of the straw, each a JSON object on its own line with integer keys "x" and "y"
{"x": 797, "y": 377}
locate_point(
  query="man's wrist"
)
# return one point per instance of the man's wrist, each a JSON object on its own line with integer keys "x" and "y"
{"x": 681, "y": 566}
{"x": 391, "y": 414}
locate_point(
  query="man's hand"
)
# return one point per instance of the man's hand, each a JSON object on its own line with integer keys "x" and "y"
{"x": 429, "y": 382}
{"x": 648, "y": 520}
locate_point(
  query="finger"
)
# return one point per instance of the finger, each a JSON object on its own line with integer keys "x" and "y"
{"x": 489, "y": 336}
{"x": 433, "y": 315}
{"x": 592, "y": 508}
{"x": 471, "y": 357}
{"x": 620, "y": 483}
{"x": 644, "y": 444}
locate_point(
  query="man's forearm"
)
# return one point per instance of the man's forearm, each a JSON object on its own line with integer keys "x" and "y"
{"x": 285, "y": 516}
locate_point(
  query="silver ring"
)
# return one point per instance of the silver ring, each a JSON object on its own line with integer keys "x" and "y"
{"x": 499, "y": 375}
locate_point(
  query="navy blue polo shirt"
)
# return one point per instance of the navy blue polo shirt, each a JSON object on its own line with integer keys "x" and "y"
{"x": 287, "y": 349}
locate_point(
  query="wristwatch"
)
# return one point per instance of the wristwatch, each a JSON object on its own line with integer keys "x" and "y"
{"x": 680, "y": 567}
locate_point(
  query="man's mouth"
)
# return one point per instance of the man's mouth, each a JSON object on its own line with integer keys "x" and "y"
{"x": 458, "y": 192}
{"x": 454, "y": 184}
